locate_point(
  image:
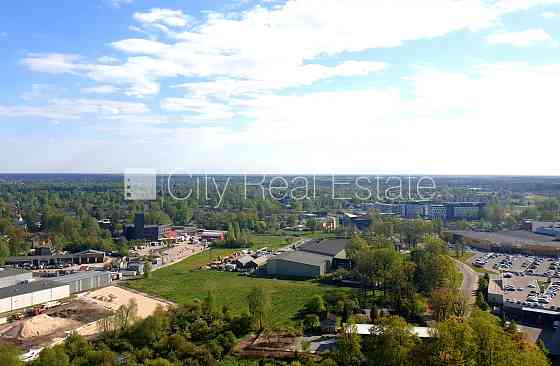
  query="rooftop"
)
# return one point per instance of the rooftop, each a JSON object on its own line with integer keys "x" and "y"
{"x": 78, "y": 276}
{"x": 330, "y": 247}
{"x": 244, "y": 259}
{"x": 8, "y": 272}
{"x": 514, "y": 237}
{"x": 365, "y": 329}
{"x": 28, "y": 287}
{"x": 302, "y": 257}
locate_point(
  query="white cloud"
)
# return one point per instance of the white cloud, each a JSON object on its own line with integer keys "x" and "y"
{"x": 119, "y": 3}
{"x": 141, "y": 46}
{"x": 108, "y": 60}
{"x": 520, "y": 39}
{"x": 270, "y": 49}
{"x": 71, "y": 109}
{"x": 203, "y": 109}
{"x": 40, "y": 92}
{"x": 166, "y": 17}
{"x": 549, "y": 14}
{"x": 100, "y": 89}
{"x": 53, "y": 63}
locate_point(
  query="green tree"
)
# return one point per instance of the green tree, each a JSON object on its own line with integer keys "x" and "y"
{"x": 259, "y": 306}
{"x": 391, "y": 343}
{"x": 349, "y": 351}
{"x": 9, "y": 355}
{"x": 316, "y": 306}
{"x": 454, "y": 343}
{"x": 447, "y": 302}
{"x": 54, "y": 356}
{"x": 147, "y": 269}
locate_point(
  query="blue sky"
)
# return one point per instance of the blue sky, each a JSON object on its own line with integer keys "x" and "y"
{"x": 308, "y": 86}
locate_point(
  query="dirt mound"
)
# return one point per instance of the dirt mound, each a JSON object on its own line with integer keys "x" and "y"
{"x": 38, "y": 326}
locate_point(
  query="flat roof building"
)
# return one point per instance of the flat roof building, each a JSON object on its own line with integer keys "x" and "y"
{"x": 329, "y": 247}
{"x": 85, "y": 257}
{"x": 84, "y": 281}
{"x": 28, "y": 294}
{"x": 10, "y": 277}
{"x": 514, "y": 241}
{"x": 298, "y": 264}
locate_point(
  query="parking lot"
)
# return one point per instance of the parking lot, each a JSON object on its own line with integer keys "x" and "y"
{"x": 527, "y": 281}
{"x": 525, "y": 292}
{"x": 518, "y": 263}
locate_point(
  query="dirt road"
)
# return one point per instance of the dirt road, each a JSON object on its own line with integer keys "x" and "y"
{"x": 470, "y": 281}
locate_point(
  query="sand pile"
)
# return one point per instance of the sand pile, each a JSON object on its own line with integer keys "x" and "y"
{"x": 40, "y": 325}
{"x": 113, "y": 297}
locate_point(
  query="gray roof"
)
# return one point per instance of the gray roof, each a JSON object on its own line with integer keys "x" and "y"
{"x": 514, "y": 237}
{"x": 8, "y": 272}
{"x": 244, "y": 259}
{"x": 78, "y": 276}
{"x": 302, "y": 257}
{"x": 28, "y": 287}
{"x": 330, "y": 247}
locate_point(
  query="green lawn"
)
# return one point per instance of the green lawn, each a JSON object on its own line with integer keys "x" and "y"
{"x": 184, "y": 282}
{"x": 273, "y": 241}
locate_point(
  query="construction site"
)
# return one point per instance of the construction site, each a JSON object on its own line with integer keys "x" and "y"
{"x": 81, "y": 314}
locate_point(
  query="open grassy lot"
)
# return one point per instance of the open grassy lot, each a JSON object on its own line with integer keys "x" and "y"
{"x": 183, "y": 282}
{"x": 273, "y": 241}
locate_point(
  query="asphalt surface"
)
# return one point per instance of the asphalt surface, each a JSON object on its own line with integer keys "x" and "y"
{"x": 470, "y": 281}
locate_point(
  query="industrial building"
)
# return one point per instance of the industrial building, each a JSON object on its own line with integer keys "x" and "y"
{"x": 12, "y": 277}
{"x": 140, "y": 231}
{"x": 212, "y": 235}
{"x": 85, "y": 257}
{"x": 84, "y": 281}
{"x": 28, "y": 294}
{"x": 360, "y": 221}
{"x": 311, "y": 259}
{"x": 298, "y": 264}
{"x": 513, "y": 241}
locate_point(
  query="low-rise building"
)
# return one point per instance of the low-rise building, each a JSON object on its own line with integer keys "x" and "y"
{"x": 85, "y": 257}
{"x": 243, "y": 261}
{"x": 28, "y": 294}
{"x": 11, "y": 277}
{"x": 84, "y": 281}
{"x": 298, "y": 264}
{"x": 212, "y": 235}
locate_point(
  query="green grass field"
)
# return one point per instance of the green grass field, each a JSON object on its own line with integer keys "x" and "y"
{"x": 183, "y": 282}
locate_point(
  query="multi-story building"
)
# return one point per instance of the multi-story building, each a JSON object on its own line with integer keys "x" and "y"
{"x": 413, "y": 209}
{"x": 140, "y": 231}
{"x": 436, "y": 212}
{"x": 464, "y": 210}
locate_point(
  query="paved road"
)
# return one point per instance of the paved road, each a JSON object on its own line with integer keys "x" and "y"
{"x": 470, "y": 280}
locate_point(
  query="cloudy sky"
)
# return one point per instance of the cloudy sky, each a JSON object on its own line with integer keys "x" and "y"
{"x": 299, "y": 86}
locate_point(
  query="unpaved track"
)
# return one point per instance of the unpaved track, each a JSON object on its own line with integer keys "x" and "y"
{"x": 470, "y": 281}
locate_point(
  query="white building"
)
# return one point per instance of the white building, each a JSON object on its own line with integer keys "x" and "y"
{"x": 25, "y": 295}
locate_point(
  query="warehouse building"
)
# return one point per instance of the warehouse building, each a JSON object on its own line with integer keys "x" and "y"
{"x": 12, "y": 277}
{"x": 28, "y": 294}
{"x": 335, "y": 248}
{"x": 85, "y": 257}
{"x": 311, "y": 259}
{"x": 298, "y": 264}
{"x": 84, "y": 281}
